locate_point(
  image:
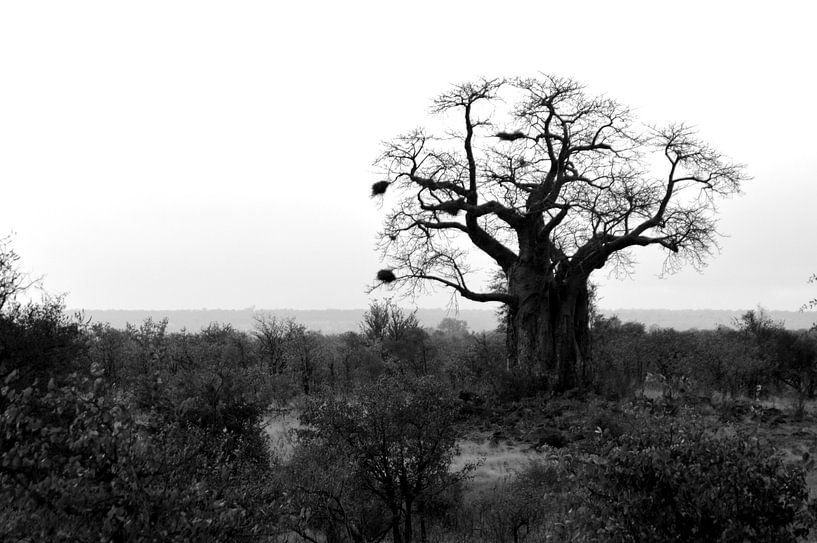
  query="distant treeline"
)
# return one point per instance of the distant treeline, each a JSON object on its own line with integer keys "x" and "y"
{"x": 707, "y": 319}
{"x": 328, "y": 321}
{"x": 333, "y": 321}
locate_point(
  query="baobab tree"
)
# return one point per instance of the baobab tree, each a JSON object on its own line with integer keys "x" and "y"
{"x": 551, "y": 184}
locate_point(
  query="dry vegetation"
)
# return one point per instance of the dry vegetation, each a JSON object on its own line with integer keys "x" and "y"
{"x": 399, "y": 433}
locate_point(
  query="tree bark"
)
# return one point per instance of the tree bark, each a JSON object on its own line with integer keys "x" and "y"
{"x": 548, "y": 334}
{"x": 395, "y": 526}
{"x": 407, "y": 524}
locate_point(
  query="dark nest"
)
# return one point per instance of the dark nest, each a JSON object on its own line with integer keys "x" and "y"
{"x": 450, "y": 208}
{"x": 510, "y": 136}
{"x": 379, "y": 188}
{"x": 386, "y": 276}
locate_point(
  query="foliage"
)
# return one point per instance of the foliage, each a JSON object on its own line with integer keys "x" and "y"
{"x": 76, "y": 465}
{"x": 107, "y": 350}
{"x": 270, "y": 332}
{"x": 790, "y": 356}
{"x": 473, "y": 363}
{"x": 147, "y": 348}
{"x": 398, "y": 437}
{"x": 213, "y": 383}
{"x": 619, "y": 361}
{"x": 356, "y": 361}
{"x": 402, "y": 342}
{"x": 453, "y": 327}
{"x": 306, "y": 351}
{"x": 626, "y": 358}
{"x": 533, "y": 504}
{"x": 726, "y": 361}
{"x": 326, "y": 494}
{"x": 676, "y": 480}
{"x": 39, "y": 341}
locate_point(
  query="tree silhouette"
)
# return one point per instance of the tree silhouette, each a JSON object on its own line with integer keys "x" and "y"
{"x": 13, "y": 280}
{"x": 551, "y": 184}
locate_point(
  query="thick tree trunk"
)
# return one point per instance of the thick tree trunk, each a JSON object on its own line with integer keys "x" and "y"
{"x": 407, "y": 525}
{"x": 548, "y": 335}
{"x": 395, "y": 527}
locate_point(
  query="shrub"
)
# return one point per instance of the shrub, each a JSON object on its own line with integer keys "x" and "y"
{"x": 396, "y": 438}
{"x": 327, "y": 495}
{"x": 619, "y": 360}
{"x": 39, "y": 341}
{"x": 519, "y": 507}
{"x": 218, "y": 388}
{"x": 679, "y": 481}
{"x": 75, "y": 465}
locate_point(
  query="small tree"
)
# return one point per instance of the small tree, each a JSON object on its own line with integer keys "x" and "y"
{"x": 107, "y": 349}
{"x": 399, "y": 437}
{"x": 398, "y": 335}
{"x": 271, "y": 333}
{"x": 791, "y": 357}
{"x": 304, "y": 348}
{"x": 796, "y": 364}
{"x": 148, "y": 345}
{"x": 453, "y": 327}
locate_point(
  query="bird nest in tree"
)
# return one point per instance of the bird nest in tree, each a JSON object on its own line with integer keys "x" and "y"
{"x": 510, "y": 136}
{"x": 386, "y": 276}
{"x": 379, "y": 188}
{"x": 450, "y": 208}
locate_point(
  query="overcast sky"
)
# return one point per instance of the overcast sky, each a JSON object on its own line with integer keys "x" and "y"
{"x": 168, "y": 154}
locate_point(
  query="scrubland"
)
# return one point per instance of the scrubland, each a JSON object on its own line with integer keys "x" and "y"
{"x": 400, "y": 433}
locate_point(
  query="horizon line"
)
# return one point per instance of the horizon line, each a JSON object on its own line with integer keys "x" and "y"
{"x": 438, "y": 308}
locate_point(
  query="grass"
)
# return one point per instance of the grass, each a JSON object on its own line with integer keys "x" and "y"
{"x": 280, "y": 426}
{"x": 494, "y": 461}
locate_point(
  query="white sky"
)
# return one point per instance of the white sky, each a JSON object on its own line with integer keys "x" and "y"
{"x": 168, "y": 154}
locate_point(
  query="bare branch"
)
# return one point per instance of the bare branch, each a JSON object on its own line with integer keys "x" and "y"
{"x": 558, "y": 180}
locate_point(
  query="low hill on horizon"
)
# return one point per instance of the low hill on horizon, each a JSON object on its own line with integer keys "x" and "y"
{"x": 708, "y": 319}
{"x": 332, "y": 321}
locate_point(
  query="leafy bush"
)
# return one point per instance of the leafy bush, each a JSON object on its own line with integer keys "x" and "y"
{"x": 619, "y": 358}
{"x": 327, "y": 495}
{"x": 396, "y": 438}
{"x": 39, "y": 341}
{"x": 523, "y": 506}
{"x": 215, "y": 386}
{"x": 674, "y": 480}
{"x": 75, "y": 465}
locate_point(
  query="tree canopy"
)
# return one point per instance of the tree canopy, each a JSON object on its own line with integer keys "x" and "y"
{"x": 538, "y": 169}
{"x": 551, "y": 184}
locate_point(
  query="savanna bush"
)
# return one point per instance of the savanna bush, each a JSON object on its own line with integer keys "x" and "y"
{"x": 77, "y": 465}
{"x": 534, "y": 504}
{"x": 39, "y": 341}
{"x": 212, "y": 383}
{"x": 677, "y": 480}
{"x": 391, "y": 445}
